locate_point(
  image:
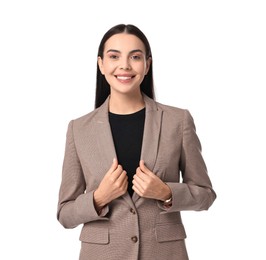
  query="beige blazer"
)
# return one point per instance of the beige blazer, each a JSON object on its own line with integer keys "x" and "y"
{"x": 133, "y": 228}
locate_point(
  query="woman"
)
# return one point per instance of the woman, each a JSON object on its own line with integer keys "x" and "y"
{"x": 123, "y": 161}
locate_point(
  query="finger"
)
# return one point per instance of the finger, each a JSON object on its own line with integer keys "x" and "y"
{"x": 123, "y": 176}
{"x": 122, "y": 182}
{"x": 125, "y": 183}
{"x": 143, "y": 176}
{"x": 144, "y": 168}
{"x": 139, "y": 183}
{"x": 113, "y": 166}
{"x": 137, "y": 190}
{"x": 117, "y": 172}
{"x": 138, "y": 178}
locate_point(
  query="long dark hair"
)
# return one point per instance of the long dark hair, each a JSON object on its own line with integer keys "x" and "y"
{"x": 102, "y": 86}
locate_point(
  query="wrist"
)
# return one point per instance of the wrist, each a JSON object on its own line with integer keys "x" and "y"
{"x": 167, "y": 200}
{"x": 98, "y": 202}
{"x": 167, "y": 195}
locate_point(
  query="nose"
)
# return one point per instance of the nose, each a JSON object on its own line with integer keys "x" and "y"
{"x": 125, "y": 65}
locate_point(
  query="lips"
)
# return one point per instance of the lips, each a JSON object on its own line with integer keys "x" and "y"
{"x": 123, "y": 78}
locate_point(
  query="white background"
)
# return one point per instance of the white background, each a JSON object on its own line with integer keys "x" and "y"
{"x": 208, "y": 56}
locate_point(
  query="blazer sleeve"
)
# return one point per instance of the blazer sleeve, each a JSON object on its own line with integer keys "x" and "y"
{"x": 75, "y": 206}
{"x": 195, "y": 192}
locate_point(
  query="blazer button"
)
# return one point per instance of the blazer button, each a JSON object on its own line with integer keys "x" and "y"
{"x": 132, "y": 211}
{"x": 134, "y": 239}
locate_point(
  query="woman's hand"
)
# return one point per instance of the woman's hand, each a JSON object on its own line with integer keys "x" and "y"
{"x": 147, "y": 184}
{"x": 113, "y": 185}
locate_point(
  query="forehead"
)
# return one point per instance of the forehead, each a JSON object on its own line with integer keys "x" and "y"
{"x": 124, "y": 42}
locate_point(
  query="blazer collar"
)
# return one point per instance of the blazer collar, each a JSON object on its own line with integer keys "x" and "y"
{"x": 150, "y": 141}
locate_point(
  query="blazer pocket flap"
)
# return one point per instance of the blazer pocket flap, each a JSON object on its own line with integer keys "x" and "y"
{"x": 94, "y": 235}
{"x": 170, "y": 232}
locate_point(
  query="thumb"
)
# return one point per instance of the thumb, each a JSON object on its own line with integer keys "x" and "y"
{"x": 143, "y": 166}
{"x": 114, "y": 165}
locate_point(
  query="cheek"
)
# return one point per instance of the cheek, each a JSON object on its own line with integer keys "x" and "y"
{"x": 109, "y": 68}
{"x": 141, "y": 68}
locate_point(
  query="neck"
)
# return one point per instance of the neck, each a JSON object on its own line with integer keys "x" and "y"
{"x": 124, "y": 104}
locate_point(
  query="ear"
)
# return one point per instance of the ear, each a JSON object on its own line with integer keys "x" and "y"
{"x": 148, "y": 64}
{"x": 100, "y": 64}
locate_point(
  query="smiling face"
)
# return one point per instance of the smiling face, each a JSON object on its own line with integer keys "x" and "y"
{"x": 124, "y": 63}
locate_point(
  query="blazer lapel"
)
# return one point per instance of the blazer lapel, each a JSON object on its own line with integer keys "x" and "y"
{"x": 104, "y": 136}
{"x": 151, "y": 135}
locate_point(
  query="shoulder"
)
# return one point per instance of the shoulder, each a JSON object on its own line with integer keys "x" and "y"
{"x": 86, "y": 121}
{"x": 87, "y": 117}
{"x": 94, "y": 116}
{"x": 152, "y": 104}
{"x": 176, "y": 118}
{"x": 168, "y": 111}
{"x": 176, "y": 114}
{"x": 173, "y": 111}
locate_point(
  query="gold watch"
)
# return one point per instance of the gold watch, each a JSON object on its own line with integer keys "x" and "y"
{"x": 168, "y": 201}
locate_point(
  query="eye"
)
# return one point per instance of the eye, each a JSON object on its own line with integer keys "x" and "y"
{"x": 136, "y": 57}
{"x": 113, "y": 57}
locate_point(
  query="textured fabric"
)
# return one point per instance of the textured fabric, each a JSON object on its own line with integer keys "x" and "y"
{"x": 127, "y": 131}
{"x": 133, "y": 228}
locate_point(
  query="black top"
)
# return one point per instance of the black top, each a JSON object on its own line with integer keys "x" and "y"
{"x": 127, "y": 131}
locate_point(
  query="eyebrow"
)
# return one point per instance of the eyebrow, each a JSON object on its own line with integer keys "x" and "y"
{"x": 133, "y": 51}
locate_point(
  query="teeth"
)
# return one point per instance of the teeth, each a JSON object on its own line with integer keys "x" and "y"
{"x": 123, "y": 78}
